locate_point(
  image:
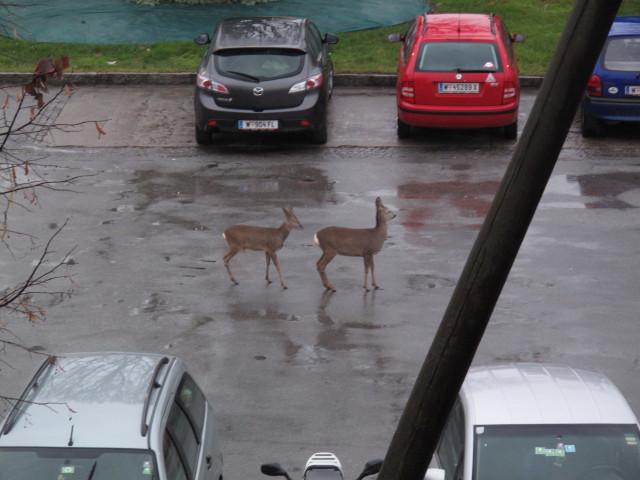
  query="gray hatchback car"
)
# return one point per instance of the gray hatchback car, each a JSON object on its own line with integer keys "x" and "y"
{"x": 111, "y": 415}
{"x": 264, "y": 74}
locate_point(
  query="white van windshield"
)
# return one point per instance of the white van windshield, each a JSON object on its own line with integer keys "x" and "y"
{"x": 75, "y": 464}
{"x": 556, "y": 452}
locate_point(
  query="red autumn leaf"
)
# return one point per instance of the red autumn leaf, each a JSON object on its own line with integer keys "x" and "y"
{"x": 100, "y": 131}
{"x": 44, "y": 67}
{"x": 30, "y": 89}
{"x": 60, "y": 64}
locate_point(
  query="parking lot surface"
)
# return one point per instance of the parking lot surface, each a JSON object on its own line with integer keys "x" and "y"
{"x": 295, "y": 371}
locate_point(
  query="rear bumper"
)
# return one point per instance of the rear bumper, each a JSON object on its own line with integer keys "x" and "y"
{"x": 210, "y": 117}
{"x": 447, "y": 117}
{"x": 613, "y": 109}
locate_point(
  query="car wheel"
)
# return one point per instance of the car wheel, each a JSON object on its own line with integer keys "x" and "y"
{"x": 511, "y": 131}
{"x": 319, "y": 137}
{"x": 404, "y": 129}
{"x": 203, "y": 137}
{"x": 588, "y": 124}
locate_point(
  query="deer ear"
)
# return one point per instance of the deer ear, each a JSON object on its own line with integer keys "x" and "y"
{"x": 378, "y": 201}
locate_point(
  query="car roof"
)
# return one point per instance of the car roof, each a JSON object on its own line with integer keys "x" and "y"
{"x": 532, "y": 393}
{"x": 454, "y": 26}
{"x": 89, "y": 400}
{"x": 260, "y": 32}
{"x": 625, "y": 26}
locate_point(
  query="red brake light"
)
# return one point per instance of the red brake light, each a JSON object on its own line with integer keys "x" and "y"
{"x": 407, "y": 92}
{"x": 207, "y": 84}
{"x": 509, "y": 92}
{"x": 594, "y": 86}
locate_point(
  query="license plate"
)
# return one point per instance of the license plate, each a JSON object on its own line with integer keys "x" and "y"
{"x": 258, "y": 124}
{"x": 458, "y": 87}
{"x": 632, "y": 90}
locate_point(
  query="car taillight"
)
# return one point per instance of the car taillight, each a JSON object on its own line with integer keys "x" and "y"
{"x": 594, "y": 86}
{"x": 308, "y": 84}
{"x": 509, "y": 92}
{"x": 407, "y": 92}
{"x": 206, "y": 83}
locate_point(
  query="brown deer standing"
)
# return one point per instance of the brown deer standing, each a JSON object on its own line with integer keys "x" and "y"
{"x": 354, "y": 242}
{"x": 268, "y": 240}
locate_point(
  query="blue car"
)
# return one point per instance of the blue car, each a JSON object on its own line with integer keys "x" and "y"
{"x": 613, "y": 91}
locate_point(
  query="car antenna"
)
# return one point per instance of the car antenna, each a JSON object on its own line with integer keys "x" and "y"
{"x": 71, "y": 437}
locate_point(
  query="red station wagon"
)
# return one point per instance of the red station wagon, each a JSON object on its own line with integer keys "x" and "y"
{"x": 457, "y": 70}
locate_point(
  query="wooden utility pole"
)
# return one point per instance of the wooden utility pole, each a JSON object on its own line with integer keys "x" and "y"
{"x": 498, "y": 242}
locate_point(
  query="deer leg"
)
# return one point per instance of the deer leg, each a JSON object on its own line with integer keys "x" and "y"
{"x": 274, "y": 257}
{"x": 322, "y": 264}
{"x": 266, "y": 275}
{"x": 367, "y": 266}
{"x": 373, "y": 274}
{"x": 228, "y": 256}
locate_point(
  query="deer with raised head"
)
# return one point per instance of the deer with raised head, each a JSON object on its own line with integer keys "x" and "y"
{"x": 266, "y": 239}
{"x": 354, "y": 242}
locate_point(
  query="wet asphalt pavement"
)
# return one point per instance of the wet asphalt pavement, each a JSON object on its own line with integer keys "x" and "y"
{"x": 295, "y": 371}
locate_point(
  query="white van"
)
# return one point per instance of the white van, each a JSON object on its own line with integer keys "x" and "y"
{"x": 99, "y": 416}
{"x": 538, "y": 422}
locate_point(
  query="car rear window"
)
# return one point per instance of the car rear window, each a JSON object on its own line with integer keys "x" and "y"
{"x": 458, "y": 57}
{"x": 258, "y": 64}
{"x": 623, "y": 54}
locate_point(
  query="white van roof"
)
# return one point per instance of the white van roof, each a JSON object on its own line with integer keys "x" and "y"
{"x": 533, "y": 393}
{"x": 90, "y": 400}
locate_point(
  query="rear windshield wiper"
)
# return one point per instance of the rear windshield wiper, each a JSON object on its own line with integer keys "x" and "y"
{"x": 476, "y": 70}
{"x": 245, "y": 75}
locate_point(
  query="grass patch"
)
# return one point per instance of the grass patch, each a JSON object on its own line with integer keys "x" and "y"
{"x": 365, "y": 51}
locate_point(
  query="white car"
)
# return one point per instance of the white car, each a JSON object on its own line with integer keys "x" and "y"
{"x": 538, "y": 422}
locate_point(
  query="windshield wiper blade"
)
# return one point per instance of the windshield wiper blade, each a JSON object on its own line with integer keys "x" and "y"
{"x": 92, "y": 471}
{"x": 476, "y": 70}
{"x": 246, "y": 75}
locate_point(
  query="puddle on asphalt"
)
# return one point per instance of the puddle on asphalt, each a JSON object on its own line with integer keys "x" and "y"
{"x": 460, "y": 205}
{"x": 246, "y": 182}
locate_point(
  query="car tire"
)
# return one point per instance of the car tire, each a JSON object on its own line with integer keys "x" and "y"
{"x": 203, "y": 137}
{"x": 404, "y": 129}
{"x": 511, "y": 131}
{"x": 588, "y": 124}
{"x": 319, "y": 136}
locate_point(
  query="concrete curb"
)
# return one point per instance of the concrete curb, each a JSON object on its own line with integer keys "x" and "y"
{"x": 95, "y": 78}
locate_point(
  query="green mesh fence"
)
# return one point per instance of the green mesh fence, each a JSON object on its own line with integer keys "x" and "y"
{"x": 119, "y": 21}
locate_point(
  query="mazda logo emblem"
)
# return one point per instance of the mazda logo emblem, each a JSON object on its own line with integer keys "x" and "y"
{"x": 258, "y": 91}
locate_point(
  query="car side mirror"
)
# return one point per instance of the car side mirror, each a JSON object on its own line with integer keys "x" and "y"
{"x": 371, "y": 468}
{"x": 395, "y": 37}
{"x": 517, "y": 38}
{"x": 330, "y": 39}
{"x": 274, "y": 470}
{"x": 202, "y": 39}
{"x": 434, "y": 474}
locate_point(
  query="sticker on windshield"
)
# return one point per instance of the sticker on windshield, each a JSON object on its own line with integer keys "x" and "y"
{"x": 67, "y": 469}
{"x": 550, "y": 452}
{"x": 631, "y": 439}
{"x": 146, "y": 468}
{"x": 489, "y": 65}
